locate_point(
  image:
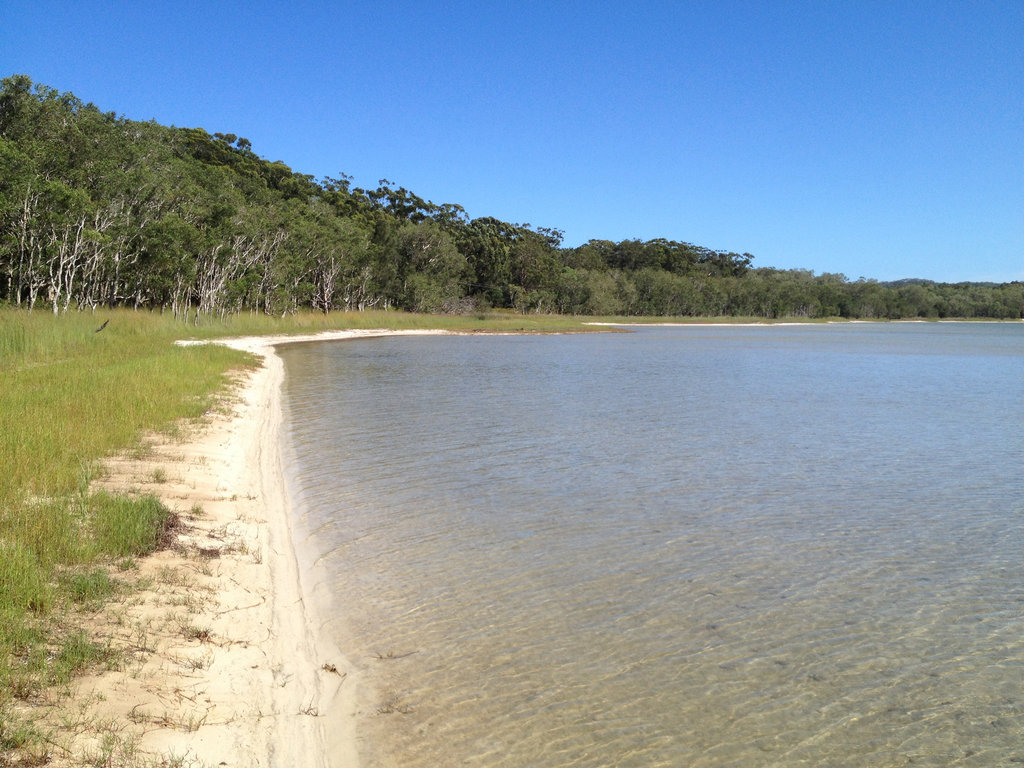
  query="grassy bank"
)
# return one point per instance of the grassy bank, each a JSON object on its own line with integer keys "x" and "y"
{"x": 71, "y": 394}
{"x": 68, "y": 397}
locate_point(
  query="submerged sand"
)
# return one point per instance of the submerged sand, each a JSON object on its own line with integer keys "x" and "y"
{"x": 226, "y": 665}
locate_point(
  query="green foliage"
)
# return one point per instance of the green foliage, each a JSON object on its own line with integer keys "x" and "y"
{"x": 100, "y": 211}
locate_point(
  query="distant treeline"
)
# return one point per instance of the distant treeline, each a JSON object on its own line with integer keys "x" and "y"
{"x": 97, "y": 210}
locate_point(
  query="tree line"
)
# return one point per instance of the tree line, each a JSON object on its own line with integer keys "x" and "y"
{"x": 98, "y": 210}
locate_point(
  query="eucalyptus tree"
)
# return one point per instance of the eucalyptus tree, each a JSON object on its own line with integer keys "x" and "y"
{"x": 96, "y": 209}
{"x": 31, "y": 184}
{"x": 660, "y": 292}
{"x": 47, "y": 204}
{"x": 487, "y": 244}
{"x": 534, "y": 271}
{"x": 594, "y": 255}
{"x": 432, "y": 271}
{"x": 321, "y": 251}
{"x": 21, "y": 211}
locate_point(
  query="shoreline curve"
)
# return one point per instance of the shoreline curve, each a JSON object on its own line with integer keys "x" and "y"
{"x": 227, "y": 661}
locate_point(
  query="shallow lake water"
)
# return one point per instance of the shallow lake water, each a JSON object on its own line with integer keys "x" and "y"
{"x": 685, "y": 546}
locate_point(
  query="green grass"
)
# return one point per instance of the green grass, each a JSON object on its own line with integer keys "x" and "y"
{"x": 68, "y": 398}
{"x": 314, "y": 322}
{"x": 23, "y": 580}
{"x": 88, "y": 587}
{"x": 721, "y": 320}
{"x": 125, "y": 526}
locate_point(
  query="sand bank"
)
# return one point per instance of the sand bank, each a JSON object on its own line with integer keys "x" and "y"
{"x": 227, "y": 666}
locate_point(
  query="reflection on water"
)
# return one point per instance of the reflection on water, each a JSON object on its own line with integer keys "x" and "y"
{"x": 677, "y": 547}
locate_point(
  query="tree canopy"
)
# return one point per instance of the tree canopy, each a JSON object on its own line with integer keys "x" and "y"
{"x": 98, "y": 210}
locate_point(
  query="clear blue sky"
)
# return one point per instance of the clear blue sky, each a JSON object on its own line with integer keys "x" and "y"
{"x": 876, "y": 139}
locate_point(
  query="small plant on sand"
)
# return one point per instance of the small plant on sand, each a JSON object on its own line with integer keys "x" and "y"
{"x": 114, "y": 749}
{"x": 172, "y": 760}
{"x": 77, "y": 652}
{"x": 17, "y": 734}
{"x": 196, "y": 663}
{"x": 89, "y": 587}
{"x": 393, "y": 705}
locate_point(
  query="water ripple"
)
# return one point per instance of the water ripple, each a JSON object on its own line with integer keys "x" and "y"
{"x": 701, "y": 547}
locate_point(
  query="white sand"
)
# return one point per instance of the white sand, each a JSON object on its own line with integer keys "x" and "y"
{"x": 228, "y": 665}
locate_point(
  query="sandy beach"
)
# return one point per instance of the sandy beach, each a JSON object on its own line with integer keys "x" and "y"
{"x": 225, "y": 664}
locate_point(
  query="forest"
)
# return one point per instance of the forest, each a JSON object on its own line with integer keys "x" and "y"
{"x": 97, "y": 210}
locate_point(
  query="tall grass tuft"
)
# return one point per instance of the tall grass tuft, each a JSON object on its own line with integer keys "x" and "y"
{"x": 88, "y": 586}
{"x": 23, "y": 582}
{"x": 125, "y": 526}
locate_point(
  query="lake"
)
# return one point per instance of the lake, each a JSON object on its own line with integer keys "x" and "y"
{"x": 680, "y": 546}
